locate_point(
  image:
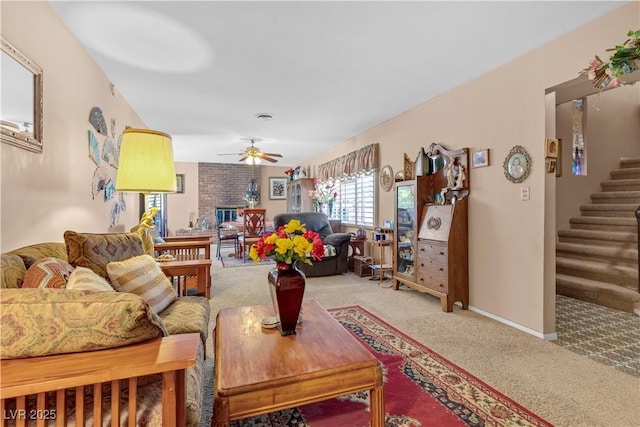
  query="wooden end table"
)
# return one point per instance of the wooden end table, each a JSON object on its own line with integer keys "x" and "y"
{"x": 200, "y": 268}
{"x": 258, "y": 371}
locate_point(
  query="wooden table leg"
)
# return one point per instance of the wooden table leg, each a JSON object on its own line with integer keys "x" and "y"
{"x": 377, "y": 406}
{"x": 220, "y": 413}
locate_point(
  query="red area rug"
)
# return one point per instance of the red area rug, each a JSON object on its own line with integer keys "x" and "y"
{"x": 421, "y": 388}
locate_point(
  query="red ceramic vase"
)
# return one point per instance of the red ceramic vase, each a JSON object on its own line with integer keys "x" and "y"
{"x": 286, "y": 284}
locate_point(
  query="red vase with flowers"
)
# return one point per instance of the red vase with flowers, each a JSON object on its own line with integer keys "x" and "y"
{"x": 289, "y": 244}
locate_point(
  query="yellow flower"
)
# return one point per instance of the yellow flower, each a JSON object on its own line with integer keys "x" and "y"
{"x": 294, "y": 225}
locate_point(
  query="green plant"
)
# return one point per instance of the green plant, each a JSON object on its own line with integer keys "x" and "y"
{"x": 625, "y": 60}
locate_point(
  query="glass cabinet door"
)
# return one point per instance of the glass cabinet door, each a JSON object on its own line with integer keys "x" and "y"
{"x": 405, "y": 227}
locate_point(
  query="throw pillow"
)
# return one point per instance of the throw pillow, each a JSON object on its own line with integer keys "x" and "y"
{"x": 95, "y": 251}
{"x": 47, "y": 273}
{"x": 39, "y": 322}
{"x": 84, "y": 279}
{"x": 142, "y": 276}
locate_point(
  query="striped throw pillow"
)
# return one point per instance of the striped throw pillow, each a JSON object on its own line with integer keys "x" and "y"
{"x": 85, "y": 279}
{"x": 142, "y": 276}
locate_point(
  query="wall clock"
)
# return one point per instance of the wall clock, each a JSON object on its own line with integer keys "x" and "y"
{"x": 386, "y": 178}
{"x": 517, "y": 164}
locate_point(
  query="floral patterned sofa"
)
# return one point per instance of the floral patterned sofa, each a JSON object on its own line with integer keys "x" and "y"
{"x": 41, "y": 316}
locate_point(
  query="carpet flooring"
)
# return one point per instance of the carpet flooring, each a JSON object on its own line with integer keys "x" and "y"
{"x": 561, "y": 386}
{"x": 422, "y": 388}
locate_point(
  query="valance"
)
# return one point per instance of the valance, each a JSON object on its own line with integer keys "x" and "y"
{"x": 353, "y": 163}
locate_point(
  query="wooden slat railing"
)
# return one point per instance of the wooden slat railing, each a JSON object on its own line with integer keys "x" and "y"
{"x": 45, "y": 379}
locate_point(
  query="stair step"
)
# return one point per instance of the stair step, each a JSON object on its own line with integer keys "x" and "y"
{"x": 599, "y": 238}
{"x": 617, "y": 197}
{"x": 621, "y": 185}
{"x": 602, "y": 271}
{"x": 618, "y": 224}
{"x": 630, "y": 162}
{"x": 614, "y": 256}
{"x": 626, "y": 173}
{"x": 610, "y": 210}
{"x": 598, "y": 292}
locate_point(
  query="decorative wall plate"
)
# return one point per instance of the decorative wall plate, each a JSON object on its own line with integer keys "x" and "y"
{"x": 517, "y": 164}
{"x": 386, "y": 178}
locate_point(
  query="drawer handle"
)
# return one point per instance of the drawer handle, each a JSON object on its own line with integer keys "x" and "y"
{"x": 441, "y": 253}
{"x": 441, "y": 269}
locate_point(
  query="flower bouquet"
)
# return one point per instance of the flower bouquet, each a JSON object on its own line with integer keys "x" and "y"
{"x": 625, "y": 60}
{"x": 289, "y": 243}
{"x": 321, "y": 194}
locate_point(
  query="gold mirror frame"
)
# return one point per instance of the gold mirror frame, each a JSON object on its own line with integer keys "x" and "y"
{"x": 517, "y": 172}
{"x": 8, "y": 135}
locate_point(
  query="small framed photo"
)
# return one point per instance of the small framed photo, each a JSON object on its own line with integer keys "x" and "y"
{"x": 180, "y": 183}
{"x": 551, "y": 148}
{"x": 277, "y": 188}
{"x": 480, "y": 159}
{"x": 551, "y": 165}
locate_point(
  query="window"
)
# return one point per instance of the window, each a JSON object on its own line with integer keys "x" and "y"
{"x": 355, "y": 203}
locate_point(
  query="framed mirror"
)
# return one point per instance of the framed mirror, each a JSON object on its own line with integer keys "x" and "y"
{"x": 21, "y": 109}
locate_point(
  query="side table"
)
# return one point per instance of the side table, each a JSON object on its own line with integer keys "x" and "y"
{"x": 201, "y": 268}
{"x": 381, "y": 268}
{"x": 356, "y": 246}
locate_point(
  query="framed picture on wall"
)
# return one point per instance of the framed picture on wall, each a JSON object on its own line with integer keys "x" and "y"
{"x": 277, "y": 188}
{"x": 551, "y": 148}
{"x": 480, "y": 158}
{"x": 180, "y": 183}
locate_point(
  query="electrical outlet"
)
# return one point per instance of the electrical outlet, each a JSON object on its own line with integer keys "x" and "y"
{"x": 524, "y": 193}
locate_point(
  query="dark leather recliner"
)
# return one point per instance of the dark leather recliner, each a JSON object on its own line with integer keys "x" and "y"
{"x": 318, "y": 222}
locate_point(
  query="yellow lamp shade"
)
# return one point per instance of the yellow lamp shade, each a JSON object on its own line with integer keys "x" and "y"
{"x": 146, "y": 163}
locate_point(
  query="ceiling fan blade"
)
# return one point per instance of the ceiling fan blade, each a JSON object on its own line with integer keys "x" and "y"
{"x": 268, "y": 159}
{"x": 243, "y": 158}
{"x": 230, "y": 154}
{"x": 272, "y": 154}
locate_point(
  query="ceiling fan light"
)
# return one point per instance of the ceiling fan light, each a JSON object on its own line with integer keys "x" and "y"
{"x": 253, "y": 160}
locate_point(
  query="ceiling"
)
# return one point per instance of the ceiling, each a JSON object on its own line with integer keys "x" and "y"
{"x": 325, "y": 71}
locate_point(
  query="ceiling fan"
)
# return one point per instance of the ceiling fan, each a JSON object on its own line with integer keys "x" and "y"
{"x": 252, "y": 155}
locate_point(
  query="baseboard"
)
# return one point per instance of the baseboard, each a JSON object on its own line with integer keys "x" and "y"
{"x": 546, "y": 337}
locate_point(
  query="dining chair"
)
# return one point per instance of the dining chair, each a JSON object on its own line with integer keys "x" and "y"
{"x": 227, "y": 237}
{"x": 254, "y": 228}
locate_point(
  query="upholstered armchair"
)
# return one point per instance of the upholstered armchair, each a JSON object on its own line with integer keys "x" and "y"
{"x": 332, "y": 263}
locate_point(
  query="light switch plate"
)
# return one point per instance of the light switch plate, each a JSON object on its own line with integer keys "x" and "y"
{"x": 524, "y": 193}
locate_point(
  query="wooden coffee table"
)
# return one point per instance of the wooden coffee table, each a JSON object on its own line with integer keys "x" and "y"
{"x": 258, "y": 371}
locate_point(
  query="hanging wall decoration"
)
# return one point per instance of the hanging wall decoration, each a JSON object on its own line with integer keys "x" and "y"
{"x": 94, "y": 148}
{"x": 113, "y": 128}
{"x": 99, "y": 181}
{"x": 110, "y": 153}
{"x": 119, "y": 206}
{"x": 97, "y": 120}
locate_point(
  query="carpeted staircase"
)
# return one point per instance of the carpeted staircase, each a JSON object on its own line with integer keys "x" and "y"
{"x": 597, "y": 258}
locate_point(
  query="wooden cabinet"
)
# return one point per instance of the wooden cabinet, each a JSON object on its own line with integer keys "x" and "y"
{"x": 431, "y": 247}
{"x": 410, "y": 199}
{"x": 298, "y": 199}
{"x": 442, "y": 261}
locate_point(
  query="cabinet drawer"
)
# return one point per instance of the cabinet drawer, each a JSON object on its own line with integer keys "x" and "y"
{"x": 440, "y": 284}
{"x": 433, "y": 251}
{"x": 436, "y": 269}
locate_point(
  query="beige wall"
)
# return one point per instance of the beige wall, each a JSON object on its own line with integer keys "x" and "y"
{"x": 45, "y": 194}
{"x": 508, "y": 238}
